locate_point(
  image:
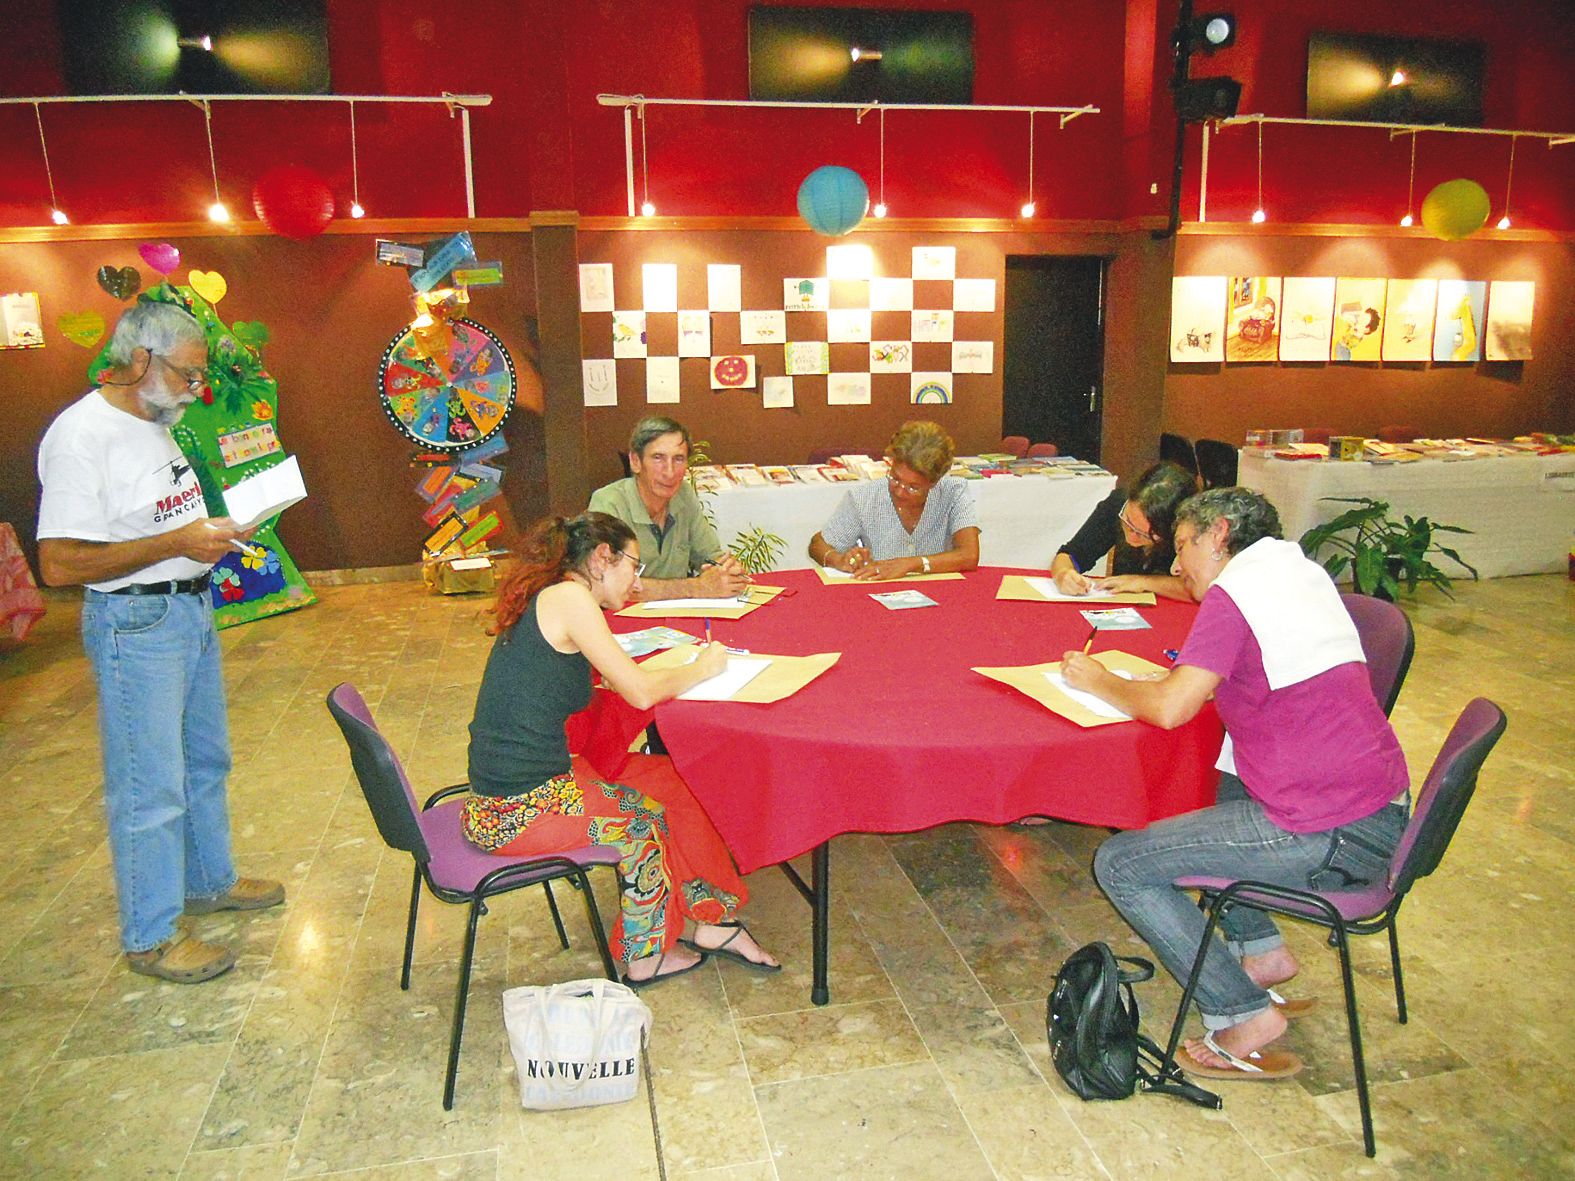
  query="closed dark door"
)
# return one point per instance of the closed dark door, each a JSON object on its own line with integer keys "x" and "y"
{"x": 1052, "y": 373}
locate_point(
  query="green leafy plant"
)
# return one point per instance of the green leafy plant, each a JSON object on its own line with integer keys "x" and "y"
{"x": 1380, "y": 551}
{"x": 756, "y": 550}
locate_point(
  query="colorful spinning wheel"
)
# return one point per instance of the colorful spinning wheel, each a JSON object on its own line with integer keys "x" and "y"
{"x": 453, "y": 407}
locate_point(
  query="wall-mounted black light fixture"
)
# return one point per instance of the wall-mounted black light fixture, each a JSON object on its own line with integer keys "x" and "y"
{"x": 1197, "y": 99}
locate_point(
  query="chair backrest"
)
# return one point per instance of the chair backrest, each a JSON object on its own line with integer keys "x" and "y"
{"x": 1398, "y": 433}
{"x": 1015, "y": 445}
{"x": 1387, "y": 641}
{"x": 1216, "y": 463}
{"x": 1178, "y": 450}
{"x": 1442, "y": 799}
{"x": 378, "y": 771}
{"x": 1043, "y": 451}
{"x": 623, "y": 460}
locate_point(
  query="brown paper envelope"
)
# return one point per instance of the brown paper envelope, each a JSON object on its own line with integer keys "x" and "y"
{"x": 830, "y": 581}
{"x": 785, "y": 675}
{"x": 1030, "y": 679}
{"x": 1015, "y": 586}
{"x": 759, "y": 596}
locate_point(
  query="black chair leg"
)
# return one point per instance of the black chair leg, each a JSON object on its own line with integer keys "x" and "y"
{"x": 1394, "y": 963}
{"x": 458, "y": 1032}
{"x": 598, "y": 932}
{"x": 1356, "y": 1043}
{"x": 557, "y": 919}
{"x": 1168, "y": 1062}
{"x": 410, "y": 929}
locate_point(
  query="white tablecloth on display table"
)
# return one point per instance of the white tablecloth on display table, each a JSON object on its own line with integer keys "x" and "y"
{"x": 1520, "y": 508}
{"x": 1023, "y": 520}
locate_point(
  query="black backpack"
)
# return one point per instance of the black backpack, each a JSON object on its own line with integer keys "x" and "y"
{"x": 1092, "y": 1022}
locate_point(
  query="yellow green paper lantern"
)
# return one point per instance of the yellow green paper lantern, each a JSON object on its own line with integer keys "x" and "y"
{"x": 1455, "y": 209}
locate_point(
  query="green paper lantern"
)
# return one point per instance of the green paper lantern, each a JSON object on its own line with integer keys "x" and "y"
{"x": 1455, "y": 209}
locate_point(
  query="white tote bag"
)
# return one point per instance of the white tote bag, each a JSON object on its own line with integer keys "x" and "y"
{"x": 576, "y": 1044}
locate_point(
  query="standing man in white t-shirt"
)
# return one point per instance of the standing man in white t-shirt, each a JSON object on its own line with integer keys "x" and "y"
{"x": 122, "y": 513}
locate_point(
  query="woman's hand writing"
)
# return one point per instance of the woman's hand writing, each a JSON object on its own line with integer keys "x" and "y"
{"x": 887, "y": 568}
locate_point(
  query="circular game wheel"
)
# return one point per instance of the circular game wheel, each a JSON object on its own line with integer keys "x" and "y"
{"x": 448, "y": 406}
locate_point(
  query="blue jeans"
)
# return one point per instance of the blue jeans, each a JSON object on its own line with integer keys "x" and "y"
{"x": 165, "y": 737}
{"x": 1233, "y": 839}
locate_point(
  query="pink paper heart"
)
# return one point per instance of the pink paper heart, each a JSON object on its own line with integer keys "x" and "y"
{"x": 161, "y": 256}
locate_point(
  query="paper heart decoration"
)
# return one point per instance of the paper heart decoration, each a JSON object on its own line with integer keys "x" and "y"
{"x": 161, "y": 256}
{"x": 208, "y": 284}
{"x": 83, "y": 328}
{"x": 250, "y": 332}
{"x": 122, "y": 283}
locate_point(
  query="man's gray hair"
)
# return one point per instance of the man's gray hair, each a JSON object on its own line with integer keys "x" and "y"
{"x": 653, "y": 427}
{"x": 157, "y": 327}
{"x": 1248, "y": 514}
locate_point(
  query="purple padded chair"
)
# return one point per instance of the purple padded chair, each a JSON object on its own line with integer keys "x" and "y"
{"x": 454, "y": 869}
{"x": 1387, "y": 641}
{"x": 1372, "y": 907}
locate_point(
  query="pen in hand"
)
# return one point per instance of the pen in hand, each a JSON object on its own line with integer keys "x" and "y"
{"x": 1094, "y": 632}
{"x": 708, "y": 630}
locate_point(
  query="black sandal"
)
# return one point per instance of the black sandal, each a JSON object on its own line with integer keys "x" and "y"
{"x": 658, "y": 976}
{"x": 724, "y": 952}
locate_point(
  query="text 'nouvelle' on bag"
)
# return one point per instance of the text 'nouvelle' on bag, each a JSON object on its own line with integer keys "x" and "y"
{"x": 576, "y": 1044}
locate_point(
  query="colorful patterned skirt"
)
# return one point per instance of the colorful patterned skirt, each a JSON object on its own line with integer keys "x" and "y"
{"x": 672, "y": 860}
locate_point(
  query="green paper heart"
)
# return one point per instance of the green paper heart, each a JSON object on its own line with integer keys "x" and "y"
{"x": 122, "y": 283}
{"x": 250, "y": 332}
{"x": 83, "y": 328}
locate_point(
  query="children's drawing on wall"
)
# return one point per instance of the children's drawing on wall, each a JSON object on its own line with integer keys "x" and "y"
{"x": 930, "y": 389}
{"x": 1509, "y": 320}
{"x": 1197, "y": 318}
{"x": 1358, "y": 319}
{"x": 1457, "y": 331}
{"x": 1306, "y": 318}
{"x": 1408, "y": 324}
{"x": 628, "y": 333}
{"x": 1253, "y": 331}
{"x": 806, "y": 295}
{"x": 21, "y": 320}
{"x": 891, "y": 356}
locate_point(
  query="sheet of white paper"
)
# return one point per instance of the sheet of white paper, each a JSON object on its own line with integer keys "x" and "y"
{"x": 1087, "y": 700}
{"x": 836, "y": 575}
{"x": 694, "y": 334}
{"x": 661, "y": 379}
{"x": 891, "y": 356}
{"x": 847, "y": 324}
{"x": 1048, "y": 588}
{"x": 776, "y": 393}
{"x": 930, "y": 389}
{"x": 848, "y": 389}
{"x": 723, "y": 283}
{"x": 659, "y": 283}
{"x": 739, "y": 672}
{"x": 658, "y": 606}
{"x": 973, "y": 356}
{"x": 807, "y": 356}
{"x": 628, "y": 332}
{"x": 596, "y": 287}
{"x": 891, "y": 295}
{"x": 260, "y": 496}
{"x": 973, "y": 295}
{"x": 806, "y": 295}
{"x": 601, "y": 382}
{"x": 935, "y": 262}
{"x": 934, "y": 325}
{"x": 762, "y": 327}
{"x": 849, "y": 262}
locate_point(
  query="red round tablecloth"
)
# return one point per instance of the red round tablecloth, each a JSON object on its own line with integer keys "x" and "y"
{"x": 901, "y": 735}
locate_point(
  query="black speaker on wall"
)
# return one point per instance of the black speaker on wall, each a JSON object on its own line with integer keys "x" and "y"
{"x": 1198, "y": 99}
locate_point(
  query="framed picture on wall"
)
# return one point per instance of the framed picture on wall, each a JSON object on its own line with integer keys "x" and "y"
{"x": 1306, "y": 318}
{"x": 1197, "y": 318}
{"x": 1358, "y": 319}
{"x": 1408, "y": 326}
{"x": 1253, "y": 330}
{"x": 1457, "y": 326}
{"x": 1509, "y": 320}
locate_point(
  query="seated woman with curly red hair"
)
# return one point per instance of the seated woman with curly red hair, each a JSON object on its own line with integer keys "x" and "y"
{"x": 529, "y": 795}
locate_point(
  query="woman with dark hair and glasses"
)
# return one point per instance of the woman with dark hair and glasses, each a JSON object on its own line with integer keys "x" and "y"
{"x": 529, "y": 795}
{"x": 1136, "y": 527}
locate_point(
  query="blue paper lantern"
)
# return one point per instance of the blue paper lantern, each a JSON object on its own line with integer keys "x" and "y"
{"x": 833, "y": 199}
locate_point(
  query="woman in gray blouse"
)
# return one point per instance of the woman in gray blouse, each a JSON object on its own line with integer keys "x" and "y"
{"x": 919, "y": 520}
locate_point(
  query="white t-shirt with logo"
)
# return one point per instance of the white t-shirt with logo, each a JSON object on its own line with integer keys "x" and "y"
{"x": 111, "y": 476}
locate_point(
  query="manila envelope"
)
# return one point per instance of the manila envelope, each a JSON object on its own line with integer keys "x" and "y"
{"x": 1015, "y": 586}
{"x": 785, "y": 676}
{"x": 1030, "y": 679}
{"x": 830, "y": 578}
{"x": 759, "y": 596}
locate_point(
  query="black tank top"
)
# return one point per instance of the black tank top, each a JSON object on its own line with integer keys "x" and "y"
{"x": 528, "y": 691}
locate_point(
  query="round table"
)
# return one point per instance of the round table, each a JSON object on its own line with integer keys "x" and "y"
{"x": 901, "y": 735}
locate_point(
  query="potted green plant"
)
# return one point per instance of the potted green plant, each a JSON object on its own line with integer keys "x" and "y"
{"x": 1380, "y": 551}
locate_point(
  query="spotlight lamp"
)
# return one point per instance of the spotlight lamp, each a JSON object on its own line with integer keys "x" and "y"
{"x": 1212, "y": 31}
{"x": 864, "y": 55}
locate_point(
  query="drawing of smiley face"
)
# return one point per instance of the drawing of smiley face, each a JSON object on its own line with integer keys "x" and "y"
{"x": 732, "y": 370}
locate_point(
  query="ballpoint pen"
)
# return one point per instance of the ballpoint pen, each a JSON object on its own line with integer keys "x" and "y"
{"x": 708, "y": 630}
{"x": 1094, "y": 631}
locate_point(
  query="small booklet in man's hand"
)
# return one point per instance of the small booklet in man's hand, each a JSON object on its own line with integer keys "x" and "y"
{"x": 265, "y": 494}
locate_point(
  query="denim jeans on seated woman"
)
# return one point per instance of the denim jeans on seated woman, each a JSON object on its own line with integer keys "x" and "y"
{"x": 1233, "y": 839}
{"x": 166, "y": 745}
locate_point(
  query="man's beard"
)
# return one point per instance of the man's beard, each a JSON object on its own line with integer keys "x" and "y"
{"x": 166, "y": 408}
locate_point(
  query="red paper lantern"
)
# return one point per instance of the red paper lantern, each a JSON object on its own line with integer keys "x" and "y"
{"x": 294, "y": 201}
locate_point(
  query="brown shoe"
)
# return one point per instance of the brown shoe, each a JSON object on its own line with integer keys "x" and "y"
{"x": 245, "y": 894}
{"x": 182, "y": 959}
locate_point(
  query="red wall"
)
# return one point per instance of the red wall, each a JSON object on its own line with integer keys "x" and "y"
{"x": 546, "y": 143}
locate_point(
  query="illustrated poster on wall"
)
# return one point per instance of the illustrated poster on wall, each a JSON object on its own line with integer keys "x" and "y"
{"x": 776, "y": 393}
{"x": 21, "y": 320}
{"x": 723, "y": 287}
{"x": 1358, "y": 319}
{"x": 1509, "y": 320}
{"x": 930, "y": 389}
{"x": 661, "y": 379}
{"x": 1197, "y": 319}
{"x": 891, "y": 356}
{"x": 1252, "y": 331}
{"x": 1457, "y": 329}
{"x": 762, "y": 327}
{"x": 1408, "y": 319}
{"x": 806, "y": 295}
{"x": 600, "y": 378}
{"x": 733, "y": 373}
{"x": 807, "y": 356}
{"x": 596, "y": 287}
{"x": 1306, "y": 318}
{"x": 935, "y": 262}
{"x": 934, "y": 325}
{"x": 628, "y": 334}
{"x": 848, "y": 389}
{"x": 848, "y": 325}
{"x": 973, "y": 356}
{"x": 694, "y": 334}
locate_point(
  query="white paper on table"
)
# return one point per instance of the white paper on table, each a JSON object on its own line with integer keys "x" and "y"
{"x": 600, "y": 381}
{"x": 658, "y": 606}
{"x": 739, "y": 672}
{"x": 776, "y": 393}
{"x": 596, "y": 287}
{"x": 661, "y": 379}
{"x": 723, "y": 284}
{"x": 694, "y": 334}
{"x": 265, "y": 494}
{"x": 1048, "y": 588}
{"x": 834, "y": 574}
{"x": 659, "y": 286}
{"x": 1088, "y": 701}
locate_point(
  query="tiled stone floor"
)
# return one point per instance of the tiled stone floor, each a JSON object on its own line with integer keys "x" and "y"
{"x": 308, "y": 1060}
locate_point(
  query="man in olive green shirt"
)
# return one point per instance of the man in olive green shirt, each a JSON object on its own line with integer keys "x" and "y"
{"x": 682, "y": 555}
